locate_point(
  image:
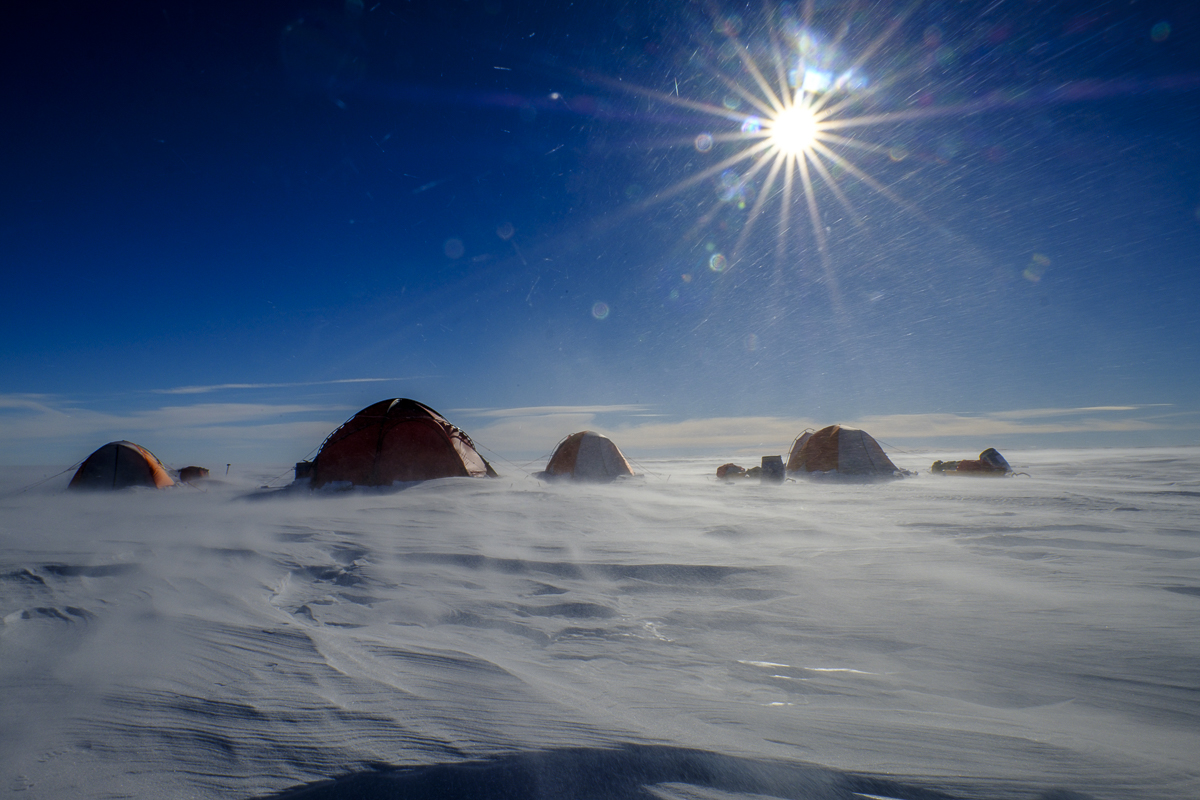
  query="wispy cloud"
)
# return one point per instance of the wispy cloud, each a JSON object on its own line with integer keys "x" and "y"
{"x": 539, "y": 411}
{"x": 27, "y": 402}
{"x": 47, "y": 430}
{"x": 220, "y": 387}
{"x": 1045, "y": 421}
{"x": 1038, "y": 413}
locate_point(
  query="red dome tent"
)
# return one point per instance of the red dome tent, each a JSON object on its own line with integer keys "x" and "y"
{"x": 847, "y": 451}
{"x": 397, "y": 440}
{"x": 587, "y": 456}
{"x": 117, "y": 465}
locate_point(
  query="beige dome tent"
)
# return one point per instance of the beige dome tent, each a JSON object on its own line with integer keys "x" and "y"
{"x": 587, "y": 456}
{"x": 846, "y": 451}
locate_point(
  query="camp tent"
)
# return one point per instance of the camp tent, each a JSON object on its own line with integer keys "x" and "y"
{"x": 794, "y": 455}
{"x": 587, "y": 456}
{"x": 397, "y": 440}
{"x": 846, "y": 451}
{"x": 990, "y": 462}
{"x": 117, "y": 465}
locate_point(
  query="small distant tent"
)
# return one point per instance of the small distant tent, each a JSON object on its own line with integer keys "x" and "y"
{"x": 846, "y": 451}
{"x": 118, "y": 465}
{"x": 990, "y": 462}
{"x": 587, "y": 456}
{"x": 189, "y": 474}
{"x": 397, "y": 440}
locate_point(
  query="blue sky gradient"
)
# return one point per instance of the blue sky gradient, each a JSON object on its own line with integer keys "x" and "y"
{"x": 308, "y": 207}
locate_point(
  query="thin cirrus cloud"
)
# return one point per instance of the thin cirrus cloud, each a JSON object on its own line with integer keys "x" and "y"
{"x": 1032, "y": 422}
{"x": 38, "y": 429}
{"x": 220, "y": 387}
{"x": 1033, "y": 413}
{"x": 544, "y": 411}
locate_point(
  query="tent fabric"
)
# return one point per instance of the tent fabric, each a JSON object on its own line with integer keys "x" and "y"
{"x": 587, "y": 456}
{"x": 118, "y": 465}
{"x": 397, "y": 440}
{"x": 794, "y": 454}
{"x": 847, "y": 451}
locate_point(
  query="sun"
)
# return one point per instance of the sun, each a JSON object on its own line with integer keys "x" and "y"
{"x": 794, "y": 130}
{"x": 795, "y": 104}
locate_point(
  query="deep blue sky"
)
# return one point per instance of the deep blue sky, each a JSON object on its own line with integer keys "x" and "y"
{"x": 440, "y": 192}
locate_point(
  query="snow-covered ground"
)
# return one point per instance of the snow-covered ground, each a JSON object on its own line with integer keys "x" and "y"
{"x": 672, "y": 637}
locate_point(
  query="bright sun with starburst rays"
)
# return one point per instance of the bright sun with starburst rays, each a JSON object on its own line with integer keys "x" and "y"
{"x": 796, "y": 106}
{"x": 793, "y": 131}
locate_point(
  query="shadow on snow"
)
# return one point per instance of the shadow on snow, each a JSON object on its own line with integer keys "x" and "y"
{"x": 630, "y": 771}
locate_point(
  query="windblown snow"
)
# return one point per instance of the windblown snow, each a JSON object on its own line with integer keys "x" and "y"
{"x": 671, "y": 637}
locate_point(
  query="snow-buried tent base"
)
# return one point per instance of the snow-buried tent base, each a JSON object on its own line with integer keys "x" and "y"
{"x": 844, "y": 451}
{"x": 118, "y": 465}
{"x": 587, "y": 456}
{"x": 397, "y": 440}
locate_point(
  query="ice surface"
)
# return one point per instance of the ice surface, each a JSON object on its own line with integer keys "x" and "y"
{"x": 677, "y": 637}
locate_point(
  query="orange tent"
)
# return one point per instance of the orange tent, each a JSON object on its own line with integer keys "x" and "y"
{"x": 847, "y": 451}
{"x": 117, "y": 465}
{"x": 587, "y": 456}
{"x": 397, "y": 440}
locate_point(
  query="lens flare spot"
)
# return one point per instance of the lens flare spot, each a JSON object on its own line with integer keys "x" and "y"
{"x": 752, "y": 125}
{"x": 505, "y": 231}
{"x": 1038, "y": 264}
{"x": 751, "y": 342}
{"x": 453, "y": 248}
{"x": 730, "y": 25}
{"x": 600, "y": 310}
{"x": 794, "y": 131}
{"x": 718, "y": 263}
{"x": 816, "y": 81}
{"x": 898, "y": 153}
{"x": 1161, "y": 31}
{"x": 704, "y": 142}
